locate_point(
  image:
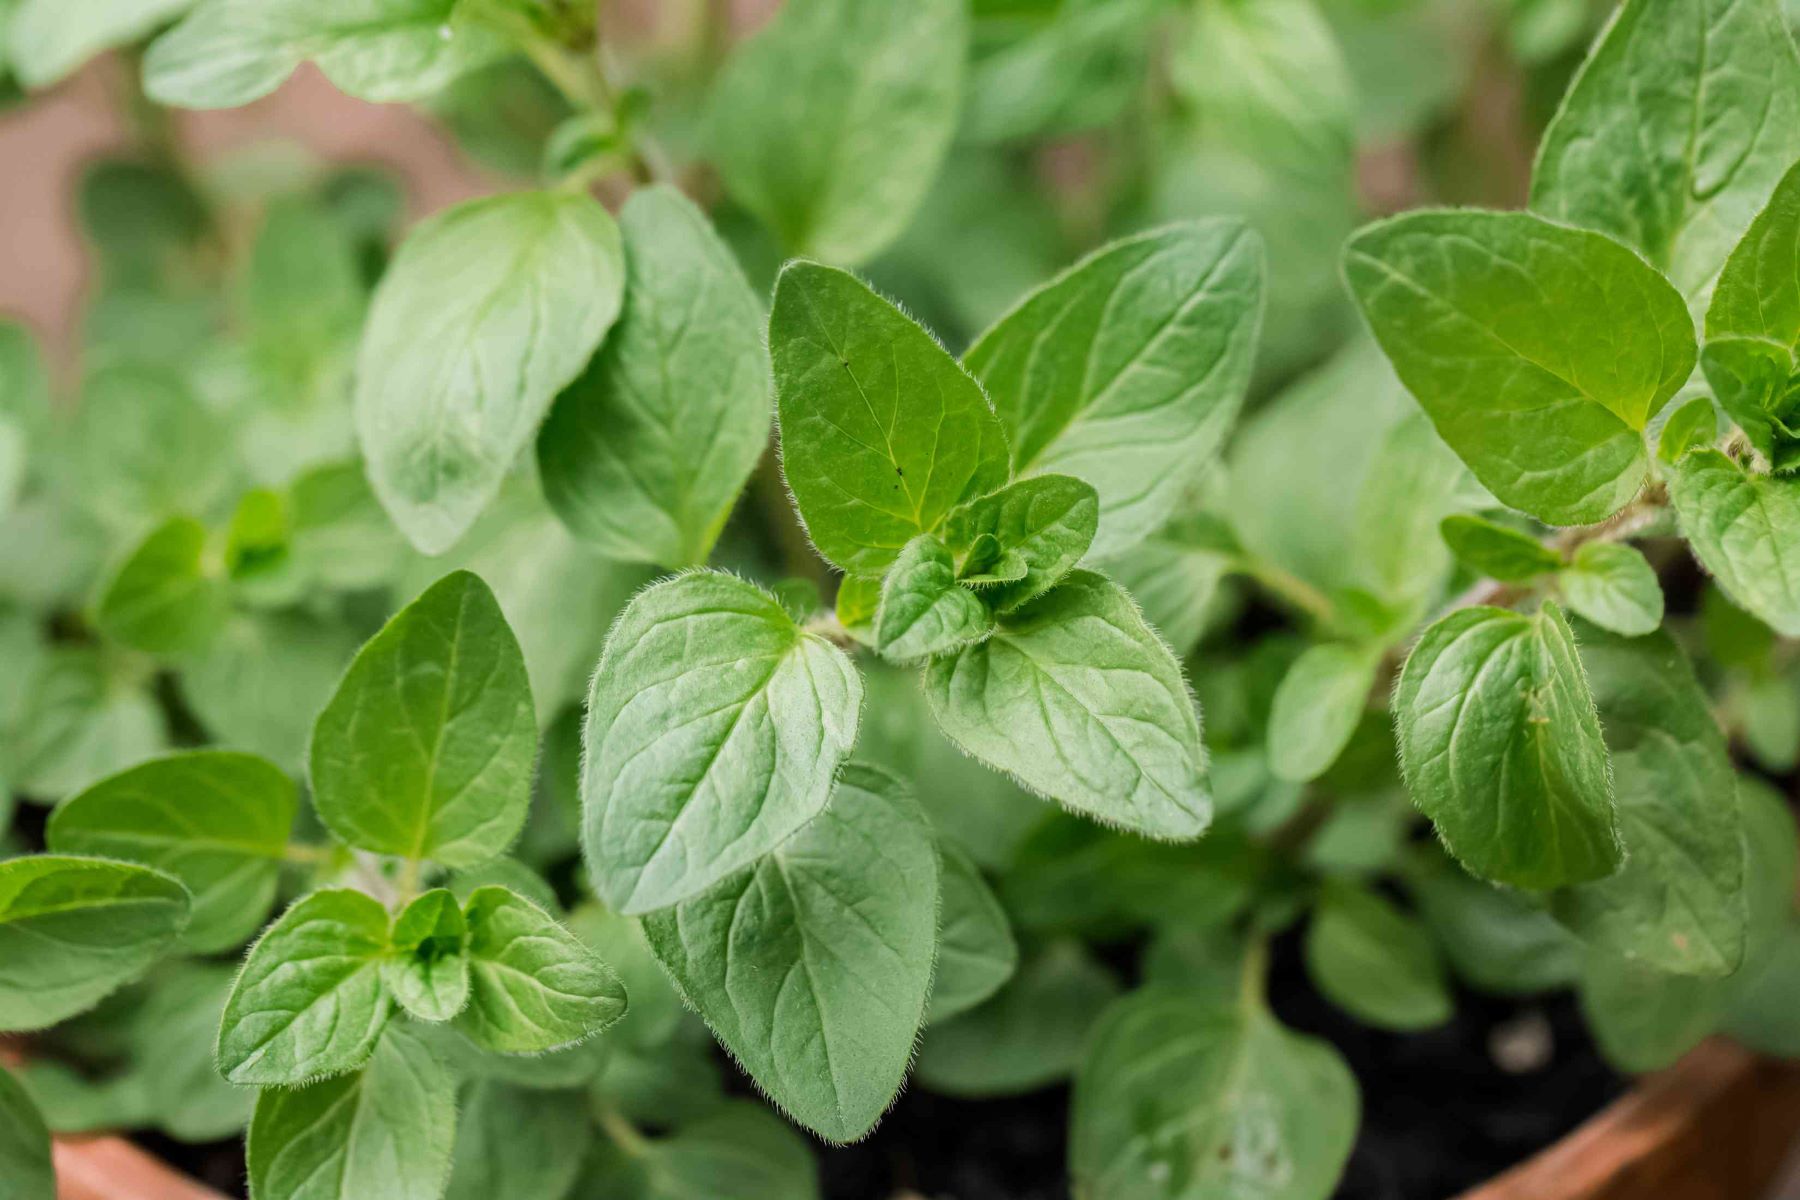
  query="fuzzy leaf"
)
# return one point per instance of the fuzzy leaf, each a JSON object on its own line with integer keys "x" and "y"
{"x": 533, "y": 986}
{"x": 1502, "y": 750}
{"x": 1077, "y": 698}
{"x": 427, "y": 748}
{"x": 1613, "y": 586}
{"x": 1497, "y": 551}
{"x": 427, "y": 966}
{"x": 1752, "y": 353}
{"x": 1047, "y": 523}
{"x": 714, "y": 730}
{"x": 976, "y": 950}
{"x": 1745, "y": 529}
{"x": 924, "y": 611}
{"x": 813, "y": 966}
{"x": 1127, "y": 370}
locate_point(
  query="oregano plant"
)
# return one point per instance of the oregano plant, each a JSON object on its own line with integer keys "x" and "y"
{"x": 912, "y": 551}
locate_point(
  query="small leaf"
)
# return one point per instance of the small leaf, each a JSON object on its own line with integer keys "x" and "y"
{"x": 24, "y": 1145}
{"x": 73, "y": 929}
{"x": 309, "y": 1002}
{"x": 1375, "y": 961}
{"x": 1613, "y": 586}
{"x": 1678, "y": 902}
{"x": 230, "y": 52}
{"x": 216, "y": 820}
{"x": 924, "y": 611}
{"x": 1240, "y": 1106}
{"x": 1502, "y": 750}
{"x": 1026, "y": 1036}
{"x": 163, "y": 598}
{"x": 1540, "y": 352}
{"x": 890, "y": 76}
{"x": 976, "y": 951}
{"x": 385, "y": 1131}
{"x": 618, "y": 457}
{"x": 1079, "y": 700}
{"x": 882, "y": 434}
{"x": 813, "y": 966}
{"x": 858, "y": 600}
{"x": 427, "y": 966}
{"x": 1497, "y": 551}
{"x": 1692, "y": 425}
{"x": 1655, "y": 147}
{"x": 1742, "y": 527}
{"x": 1753, "y": 328}
{"x": 1317, "y": 707}
{"x": 714, "y": 731}
{"x": 487, "y": 311}
{"x": 533, "y": 986}
{"x": 1047, "y": 523}
{"x": 514, "y": 1143}
{"x": 1127, "y": 370}
{"x": 427, "y": 748}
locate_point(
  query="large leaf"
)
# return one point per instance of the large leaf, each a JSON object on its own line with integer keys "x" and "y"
{"x": 309, "y": 1001}
{"x": 216, "y": 820}
{"x": 24, "y": 1145}
{"x": 1127, "y": 370}
{"x": 882, "y": 434}
{"x": 426, "y": 750}
{"x": 813, "y": 966}
{"x": 533, "y": 986}
{"x": 1678, "y": 902}
{"x": 714, "y": 730}
{"x": 47, "y": 39}
{"x": 1675, "y": 130}
{"x": 643, "y": 455}
{"x": 1502, "y": 750}
{"x": 229, "y": 52}
{"x": 73, "y": 929}
{"x": 486, "y": 313}
{"x": 1179, "y": 1098}
{"x": 1080, "y": 700}
{"x": 1745, "y": 529}
{"x": 830, "y": 123}
{"x": 386, "y": 1130}
{"x": 1540, "y": 352}
{"x": 518, "y": 1144}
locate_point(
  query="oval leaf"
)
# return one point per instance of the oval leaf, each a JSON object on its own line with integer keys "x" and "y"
{"x": 976, "y": 950}
{"x": 1047, "y": 523}
{"x": 427, "y": 967}
{"x": 1316, "y": 708}
{"x": 924, "y": 611}
{"x": 533, "y": 985}
{"x": 1613, "y": 586}
{"x": 1745, "y": 529}
{"x": 1375, "y": 961}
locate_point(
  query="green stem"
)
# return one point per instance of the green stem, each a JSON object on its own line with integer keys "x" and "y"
{"x": 407, "y": 885}
{"x": 1253, "y": 983}
{"x": 624, "y": 1134}
{"x": 1288, "y": 587}
{"x": 312, "y": 856}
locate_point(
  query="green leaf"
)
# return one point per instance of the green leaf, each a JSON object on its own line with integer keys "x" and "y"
{"x": 1175, "y": 573}
{"x": 1643, "y": 1019}
{"x": 533, "y": 986}
{"x": 1502, "y": 750}
{"x": 714, "y": 731}
{"x": 230, "y": 52}
{"x": 1677, "y": 903}
{"x": 1753, "y": 329}
{"x": 1375, "y": 961}
{"x": 144, "y": 447}
{"x": 1178, "y": 1099}
{"x": 1692, "y": 424}
{"x": 1127, "y": 370}
{"x": 163, "y": 598}
{"x": 1663, "y": 149}
{"x": 1046, "y": 522}
{"x": 1060, "y": 68}
{"x": 829, "y": 124}
{"x": 1741, "y": 527}
{"x": 1413, "y": 479}
{"x": 1613, "y": 586}
{"x": 1497, "y": 551}
{"x": 1028, "y": 1035}
{"x": 48, "y": 39}
{"x": 487, "y": 312}
{"x": 924, "y": 611}
{"x": 976, "y": 953}
{"x": 339, "y": 534}
{"x": 216, "y": 820}
{"x": 79, "y": 721}
{"x": 265, "y": 677}
{"x": 517, "y": 1144}
{"x": 1540, "y": 352}
{"x": 1497, "y": 940}
{"x": 1761, "y": 1014}
{"x": 386, "y": 1130}
{"x": 427, "y": 966}
{"x": 1078, "y": 699}
{"x": 310, "y": 1000}
{"x": 1317, "y": 707}
{"x": 882, "y": 434}
{"x": 24, "y": 1145}
{"x": 73, "y": 929}
{"x": 427, "y": 748}
{"x": 858, "y": 601}
{"x": 742, "y": 1151}
{"x": 618, "y": 456}
{"x": 813, "y": 966}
